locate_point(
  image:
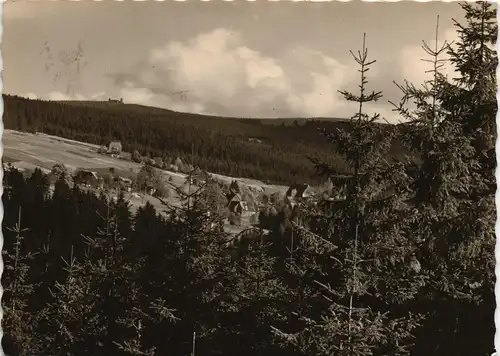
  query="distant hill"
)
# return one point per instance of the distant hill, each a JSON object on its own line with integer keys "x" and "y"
{"x": 144, "y": 109}
{"x": 274, "y": 150}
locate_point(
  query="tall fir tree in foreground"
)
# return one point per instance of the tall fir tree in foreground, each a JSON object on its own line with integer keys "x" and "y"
{"x": 472, "y": 95}
{"x": 363, "y": 252}
{"x": 471, "y": 100}
{"x": 258, "y": 298}
{"x": 453, "y": 209}
{"x": 18, "y": 322}
{"x": 113, "y": 272}
{"x": 189, "y": 269}
{"x": 69, "y": 317}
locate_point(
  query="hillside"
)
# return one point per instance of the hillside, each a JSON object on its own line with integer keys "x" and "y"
{"x": 28, "y": 151}
{"x": 274, "y": 150}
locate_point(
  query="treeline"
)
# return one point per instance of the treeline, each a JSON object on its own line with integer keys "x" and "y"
{"x": 398, "y": 259}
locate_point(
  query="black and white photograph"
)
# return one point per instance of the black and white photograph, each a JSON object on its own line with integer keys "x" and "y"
{"x": 248, "y": 178}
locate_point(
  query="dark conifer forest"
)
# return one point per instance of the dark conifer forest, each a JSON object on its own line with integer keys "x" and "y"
{"x": 398, "y": 259}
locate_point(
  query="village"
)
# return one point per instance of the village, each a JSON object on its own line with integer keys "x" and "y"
{"x": 163, "y": 183}
{"x": 154, "y": 181}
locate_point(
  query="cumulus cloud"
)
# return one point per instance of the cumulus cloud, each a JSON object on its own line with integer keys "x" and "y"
{"x": 31, "y": 96}
{"x": 59, "y": 96}
{"x": 135, "y": 95}
{"x": 216, "y": 73}
{"x": 414, "y": 66}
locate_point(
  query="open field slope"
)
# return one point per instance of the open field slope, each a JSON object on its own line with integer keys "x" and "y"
{"x": 275, "y": 150}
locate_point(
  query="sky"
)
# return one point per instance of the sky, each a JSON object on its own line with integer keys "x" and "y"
{"x": 241, "y": 59}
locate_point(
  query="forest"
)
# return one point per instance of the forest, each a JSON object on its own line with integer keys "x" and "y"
{"x": 273, "y": 150}
{"x": 397, "y": 260}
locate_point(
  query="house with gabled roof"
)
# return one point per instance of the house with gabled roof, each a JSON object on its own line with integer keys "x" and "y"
{"x": 125, "y": 183}
{"x": 234, "y": 187}
{"x": 115, "y": 148}
{"x": 199, "y": 176}
{"x": 235, "y": 204}
{"x": 87, "y": 178}
{"x": 298, "y": 192}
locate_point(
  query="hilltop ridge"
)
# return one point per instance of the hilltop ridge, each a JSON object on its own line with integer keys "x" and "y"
{"x": 146, "y": 109}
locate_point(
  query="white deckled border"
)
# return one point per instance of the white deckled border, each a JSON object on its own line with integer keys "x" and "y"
{"x": 497, "y": 151}
{"x": 456, "y": 1}
{"x": 497, "y": 224}
{"x": 1, "y": 178}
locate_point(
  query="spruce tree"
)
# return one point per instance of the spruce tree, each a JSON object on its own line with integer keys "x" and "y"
{"x": 69, "y": 318}
{"x": 258, "y": 298}
{"x": 18, "y": 323}
{"x": 470, "y": 99}
{"x": 141, "y": 316}
{"x": 361, "y": 251}
{"x": 112, "y": 286}
{"x": 213, "y": 196}
{"x": 453, "y": 209}
{"x": 188, "y": 270}
{"x": 473, "y": 93}
{"x": 148, "y": 228}
{"x": 123, "y": 216}
{"x": 14, "y": 195}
